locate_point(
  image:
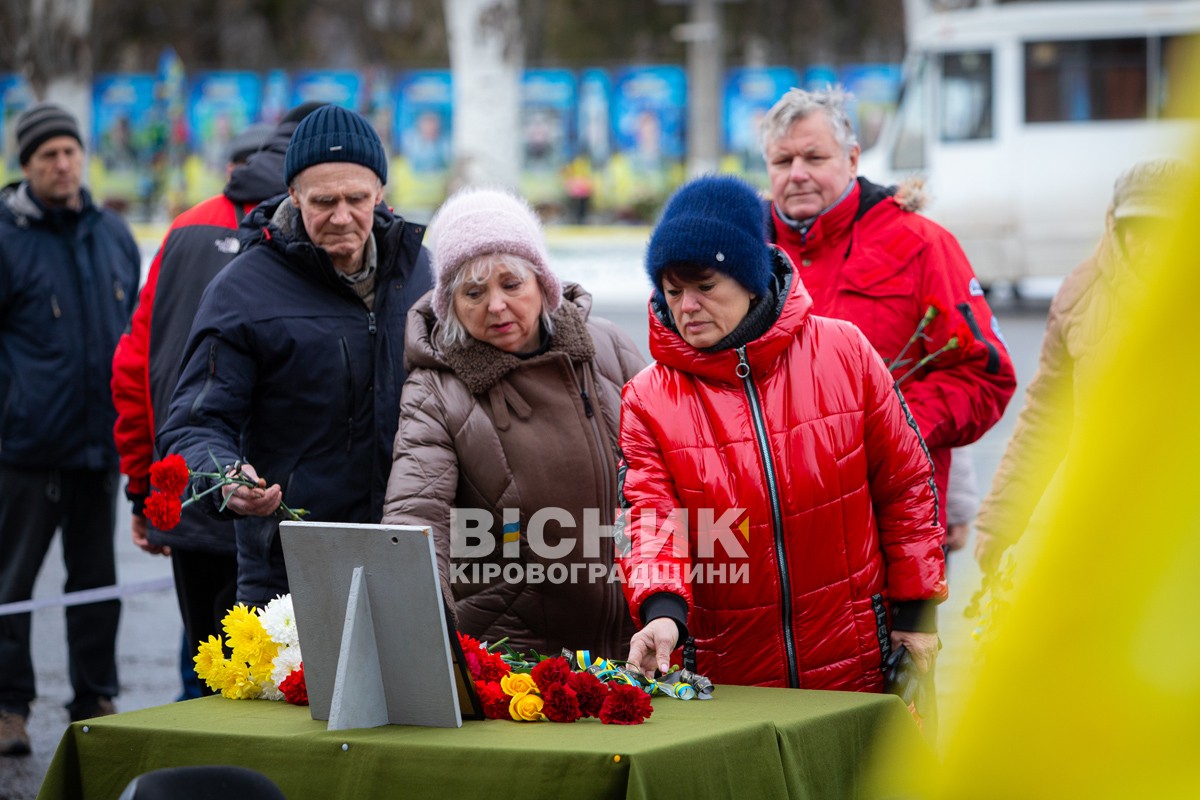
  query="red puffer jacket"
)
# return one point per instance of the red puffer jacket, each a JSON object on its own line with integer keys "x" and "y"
{"x": 820, "y": 488}
{"x": 875, "y": 262}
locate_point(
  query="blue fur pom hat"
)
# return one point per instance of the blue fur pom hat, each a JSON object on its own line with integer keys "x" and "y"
{"x": 334, "y": 134}
{"x": 713, "y": 221}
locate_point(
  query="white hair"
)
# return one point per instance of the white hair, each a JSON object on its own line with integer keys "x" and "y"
{"x": 478, "y": 270}
{"x": 798, "y": 104}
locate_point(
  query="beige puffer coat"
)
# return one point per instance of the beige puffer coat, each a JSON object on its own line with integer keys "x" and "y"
{"x": 483, "y": 429}
{"x": 1086, "y": 317}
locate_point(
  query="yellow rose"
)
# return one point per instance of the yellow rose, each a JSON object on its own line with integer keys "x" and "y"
{"x": 516, "y": 684}
{"x": 526, "y": 707}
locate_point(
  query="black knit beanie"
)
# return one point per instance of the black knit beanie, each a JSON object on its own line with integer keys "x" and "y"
{"x": 716, "y": 222}
{"x": 334, "y": 134}
{"x": 41, "y": 122}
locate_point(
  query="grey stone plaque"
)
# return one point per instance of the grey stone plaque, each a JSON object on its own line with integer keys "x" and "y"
{"x": 369, "y": 595}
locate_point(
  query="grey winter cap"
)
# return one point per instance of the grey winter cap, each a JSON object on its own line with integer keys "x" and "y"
{"x": 1150, "y": 188}
{"x": 249, "y": 141}
{"x": 41, "y": 122}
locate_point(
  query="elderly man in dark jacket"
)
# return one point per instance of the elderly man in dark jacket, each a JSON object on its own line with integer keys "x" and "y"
{"x": 294, "y": 364}
{"x": 200, "y": 242}
{"x": 68, "y": 277}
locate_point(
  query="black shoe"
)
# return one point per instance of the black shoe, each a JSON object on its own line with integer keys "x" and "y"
{"x": 14, "y": 739}
{"x": 97, "y": 707}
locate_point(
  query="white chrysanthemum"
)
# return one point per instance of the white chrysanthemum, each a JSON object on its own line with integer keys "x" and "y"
{"x": 285, "y": 663}
{"x": 270, "y": 692}
{"x": 279, "y": 621}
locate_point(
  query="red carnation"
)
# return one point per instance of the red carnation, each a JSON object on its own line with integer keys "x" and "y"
{"x": 559, "y": 703}
{"x": 492, "y": 667}
{"x": 590, "y": 691}
{"x": 170, "y": 476}
{"x": 163, "y": 510}
{"x": 932, "y": 303}
{"x": 474, "y": 663}
{"x": 295, "y": 691}
{"x": 551, "y": 671}
{"x": 625, "y": 705}
{"x": 965, "y": 337}
{"x": 473, "y": 654}
{"x": 494, "y": 700}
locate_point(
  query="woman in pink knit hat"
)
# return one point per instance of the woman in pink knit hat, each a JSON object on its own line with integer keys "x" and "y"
{"x": 507, "y": 444}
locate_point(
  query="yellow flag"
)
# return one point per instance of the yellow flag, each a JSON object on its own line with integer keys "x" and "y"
{"x": 1090, "y": 686}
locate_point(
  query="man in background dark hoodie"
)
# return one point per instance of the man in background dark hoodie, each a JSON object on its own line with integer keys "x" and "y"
{"x": 200, "y": 242}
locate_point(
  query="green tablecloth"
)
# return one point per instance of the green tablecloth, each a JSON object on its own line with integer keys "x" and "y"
{"x": 746, "y": 742}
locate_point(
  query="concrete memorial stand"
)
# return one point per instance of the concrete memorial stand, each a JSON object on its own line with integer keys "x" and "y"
{"x": 377, "y": 642}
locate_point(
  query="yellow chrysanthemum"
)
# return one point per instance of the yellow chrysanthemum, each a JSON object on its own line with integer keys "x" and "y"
{"x": 526, "y": 708}
{"x": 264, "y": 662}
{"x": 238, "y": 616}
{"x": 216, "y": 675}
{"x": 238, "y": 683}
{"x": 244, "y": 629}
{"x": 516, "y": 684}
{"x": 209, "y": 654}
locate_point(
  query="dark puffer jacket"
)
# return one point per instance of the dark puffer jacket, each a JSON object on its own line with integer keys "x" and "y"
{"x": 68, "y": 280}
{"x": 483, "y": 429}
{"x": 287, "y": 369}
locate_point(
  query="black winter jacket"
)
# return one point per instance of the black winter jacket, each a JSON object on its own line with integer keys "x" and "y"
{"x": 287, "y": 369}
{"x": 68, "y": 282}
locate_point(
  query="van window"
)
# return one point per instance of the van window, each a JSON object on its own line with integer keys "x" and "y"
{"x": 1085, "y": 80}
{"x": 965, "y": 111}
{"x": 908, "y": 150}
{"x": 1177, "y": 54}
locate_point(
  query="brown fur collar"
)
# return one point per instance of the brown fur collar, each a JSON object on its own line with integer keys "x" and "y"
{"x": 911, "y": 195}
{"x": 480, "y": 366}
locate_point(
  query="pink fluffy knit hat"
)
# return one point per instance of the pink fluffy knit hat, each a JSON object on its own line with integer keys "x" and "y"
{"x": 475, "y": 222}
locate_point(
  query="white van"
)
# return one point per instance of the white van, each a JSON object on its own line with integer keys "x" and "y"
{"x": 1020, "y": 115}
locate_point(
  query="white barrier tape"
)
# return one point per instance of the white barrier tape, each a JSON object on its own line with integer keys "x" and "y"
{"x": 88, "y": 596}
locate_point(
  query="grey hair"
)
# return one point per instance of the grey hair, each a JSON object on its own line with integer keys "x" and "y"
{"x": 478, "y": 270}
{"x": 798, "y": 104}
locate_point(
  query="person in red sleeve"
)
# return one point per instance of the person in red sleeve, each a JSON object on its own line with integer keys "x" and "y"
{"x": 777, "y": 501}
{"x": 865, "y": 256}
{"x": 146, "y": 365}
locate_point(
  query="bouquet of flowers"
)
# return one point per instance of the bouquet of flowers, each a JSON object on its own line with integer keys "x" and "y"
{"x": 960, "y": 339}
{"x": 515, "y": 688}
{"x": 171, "y": 476}
{"x": 265, "y": 657}
{"x": 990, "y": 602}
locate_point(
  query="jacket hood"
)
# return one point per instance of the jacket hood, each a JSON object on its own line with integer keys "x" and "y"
{"x": 909, "y": 195}
{"x": 668, "y": 348}
{"x": 261, "y": 176}
{"x": 478, "y": 364}
{"x": 15, "y": 199}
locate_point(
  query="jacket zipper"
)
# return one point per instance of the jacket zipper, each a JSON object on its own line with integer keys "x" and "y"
{"x": 760, "y": 434}
{"x": 208, "y": 381}
{"x": 349, "y": 396}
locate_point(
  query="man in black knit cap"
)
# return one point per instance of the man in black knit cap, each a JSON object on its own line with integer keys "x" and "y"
{"x": 200, "y": 242}
{"x": 294, "y": 364}
{"x": 68, "y": 278}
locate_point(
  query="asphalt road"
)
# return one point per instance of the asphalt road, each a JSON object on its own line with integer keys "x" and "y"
{"x": 150, "y": 631}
